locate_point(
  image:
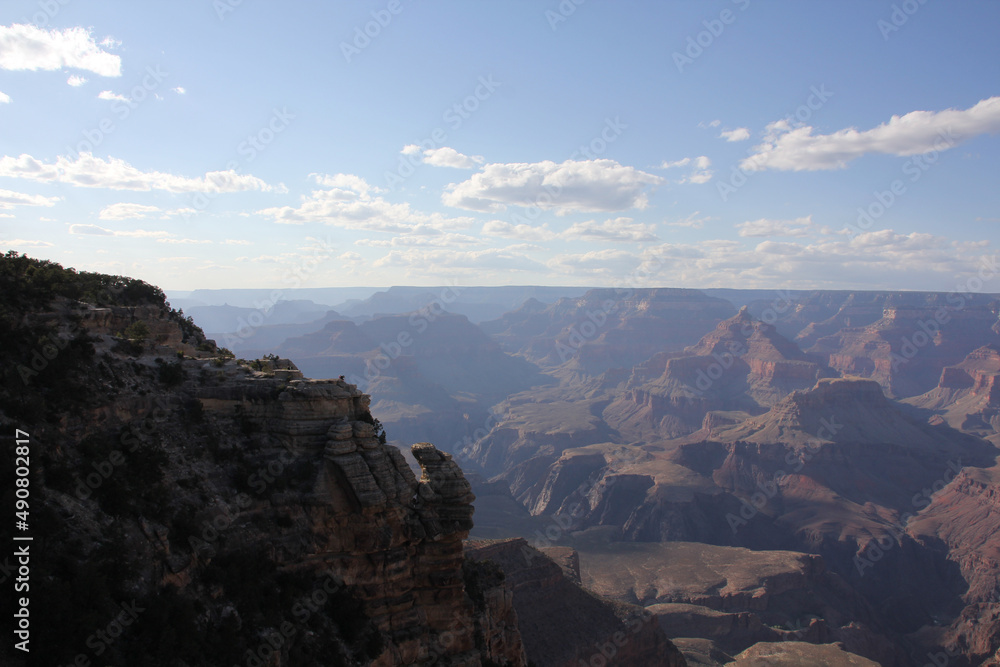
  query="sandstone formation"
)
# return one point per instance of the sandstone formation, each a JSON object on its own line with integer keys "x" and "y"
{"x": 736, "y": 597}
{"x": 906, "y": 350}
{"x": 563, "y": 625}
{"x": 742, "y": 365}
{"x": 254, "y": 517}
{"x": 968, "y": 394}
{"x": 432, "y": 375}
{"x": 767, "y": 654}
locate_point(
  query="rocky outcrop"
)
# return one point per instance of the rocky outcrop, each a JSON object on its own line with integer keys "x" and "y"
{"x": 743, "y": 365}
{"x": 737, "y": 597}
{"x": 958, "y": 525}
{"x": 906, "y": 350}
{"x": 261, "y": 512}
{"x": 432, "y": 375}
{"x": 769, "y": 654}
{"x": 562, "y": 625}
{"x": 394, "y": 540}
{"x": 968, "y": 394}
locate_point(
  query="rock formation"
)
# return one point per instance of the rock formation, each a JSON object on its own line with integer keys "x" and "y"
{"x": 968, "y": 394}
{"x": 252, "y": 517}
{"x": 563, "y": 625}
{"x": 906, "y": 350}
{"x": 742, "y": 365}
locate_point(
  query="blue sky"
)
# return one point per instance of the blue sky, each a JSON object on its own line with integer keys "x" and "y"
{"x": 698, "y": 144}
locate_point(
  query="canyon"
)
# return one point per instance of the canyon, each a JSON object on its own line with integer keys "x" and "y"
{"x": 618, "y": 476}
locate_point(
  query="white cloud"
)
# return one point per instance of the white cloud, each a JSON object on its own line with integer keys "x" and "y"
{"x": 678, "y": 163}
{"x": 520, "y": 232}
{"x": 739, "y": 134}
{"x": 111, "y": 97}
{"x": 617, "y": 229}
{"x": 570, "y": 186}
{"x": 874, "y": 260}
{"x": 798, "y": 149}
{"x": 765, "y": 227}
{"x": 348, "y": 202}
{"x": 692, "y": 221}
{"x": 4, "y": 98}
{"x": 429, "y": 262}
{"x": 90, "y": 172}
{"x": 91, "y": 230}
{"x": 9, "y": 199}
{"x": 27, "y": 47}
{"x": 713, "y": 123}
{"x": 110, "y": 42}
{"x": 778, "y": 248}
{"x": 183, "y": 241}
{"x": 236, "y": 242}
{"x": 410, "y": 149}
{"x": 24, "y": 243}
{"x": 180, "y": 90}
{"x": 345, "y": 186}
{"x": 129, "y": 211}
{"x": 449, "y": 157}
{"x": 95, "y": 230}
{"x": 124, "y": 211}
{"x": 76, "y": 81}
{"x": 700, "y": 172}
{"x": 607, "y": 263}
{"x": 440, "y": 240}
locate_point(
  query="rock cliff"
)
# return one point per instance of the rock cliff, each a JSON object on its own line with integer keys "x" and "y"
{"x": 245, "y": 515}
{"x": 968, "y": 394}
{"x": 743, "y": 364}
{"x": 562, "y": 624}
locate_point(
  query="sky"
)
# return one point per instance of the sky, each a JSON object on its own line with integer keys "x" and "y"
{"x": 730, "y": 143}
